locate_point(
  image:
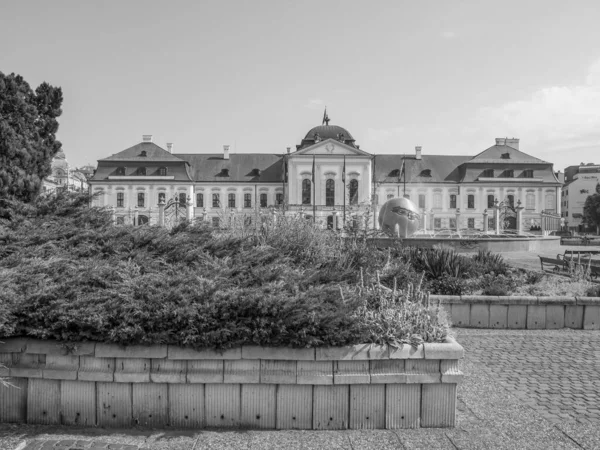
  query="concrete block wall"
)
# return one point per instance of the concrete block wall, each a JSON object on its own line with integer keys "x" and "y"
{"x": 360, "y": 387}
{"x": 534, "y": 313}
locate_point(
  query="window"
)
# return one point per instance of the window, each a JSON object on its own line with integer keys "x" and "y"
{"x": 330, "y": 222}
{"x": 330, "y": 193}
{"x": 509, "y": 173}
{"x": 422, "y": 201}
{"x": 505, "y": 156}
{"x": 353, "y": 192}
{"x": 216, "y": 201}
{"x": 491, "y": 200}
{"x": 279, "y": 198}
{"x": 216, "y": 222}
{"x": 306, "y": 188}
{"x": 471, "y": 223}
{"x": 452, "y": 201}
{"x": 549, "y": 202}
{"x": 452, "y": 224}
{"x": 121, "y": 171}
{"x": 390, "y": 196}
{"x": 200, "y": 200}
{"x": 437, "y": 200}
{"x": 120, "y": 199}
{"x": 247, "y": 200}
{"x": 182, "y": 199}
{"x": 263, "y": 200}
{"x": 530, "y": 201}
{"x": 437, "y": 223}
{"x": 511, "y": 200}
{"x": 488, "y": 173}
{"x": 528, "y": 173}
{"x": 162, "y": 171}
{"x": 141, "y": 199}
{"x": 231, "y": 200}
{"x": 470, "y": 201}
{"x": 120, "y": 220}
{"x": 141, "y": 171}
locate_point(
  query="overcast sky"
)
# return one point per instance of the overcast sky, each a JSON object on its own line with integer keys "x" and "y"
{"x": 450, "y": 76}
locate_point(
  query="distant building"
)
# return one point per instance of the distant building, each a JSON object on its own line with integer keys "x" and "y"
{"x": 580, "y": 182}
{"x": 328, "y": 178}
{"x": 65, "y": 177}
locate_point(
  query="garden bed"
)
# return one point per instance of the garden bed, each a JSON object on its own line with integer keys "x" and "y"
{"x": 359, "y": 387}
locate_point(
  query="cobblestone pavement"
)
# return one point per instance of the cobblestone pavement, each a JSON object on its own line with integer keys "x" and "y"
{"x": 523, "y": 389}
{"x": 555, "y": 373}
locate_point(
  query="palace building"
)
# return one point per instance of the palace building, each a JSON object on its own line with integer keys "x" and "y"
{"x": 329, "y": 179}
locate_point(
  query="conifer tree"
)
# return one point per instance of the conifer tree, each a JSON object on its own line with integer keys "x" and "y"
{"x": 28, "y": 126}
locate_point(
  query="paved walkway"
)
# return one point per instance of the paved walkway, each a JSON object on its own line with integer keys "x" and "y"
{"x": 524, "y": 389}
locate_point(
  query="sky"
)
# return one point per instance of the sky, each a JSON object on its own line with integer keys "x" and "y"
{"x": 450, "y": 76}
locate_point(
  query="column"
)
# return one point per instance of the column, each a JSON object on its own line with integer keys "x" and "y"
{"x": 496, "y": 217}
{"x": 424, "y": 222}
{"x": 519, "y": 209}
{"x": 457, "y": 217}
{"x": 161, "y": 213}
{"x": 485, "y": 220}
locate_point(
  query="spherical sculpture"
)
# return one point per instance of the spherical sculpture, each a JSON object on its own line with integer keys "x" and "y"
{"x": 399, "y": 217}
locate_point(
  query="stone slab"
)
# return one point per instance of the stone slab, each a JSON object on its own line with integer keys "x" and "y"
{"x": 258, "y": 406}
{"x": 330, "y": 407}
{"x": 574, "y": 317}
{"x": 114, "y": 406}
{"x": 555, "y": 317}
{"x": 242, "y": 371}
{"x": 278, "y": 371}
{"x": 591, "y": 317}
{"x": 387, "y": 371}
{"x": 367, "y": 407}
{"x": 314, "y": 372}
{"x": 43, "y": 402}
{"x": 460, "y": 315}
{"x": 446, "y": 350}
{"x": 402, "y": 406}
{"x": 499, "y": 316}
{"x": 222, "y": 402}
{"x": 351, "y": 372}
{"x": 130, "y": 351}
{"x": 277, "y": 353}
{"x": 536, "y": 317}
{"x": 294, "y": 407}
{"x": 78, "y": 403}
{"x": 352, "y": 352}
{"x": 210, "y": 371}
{"x": 175, "y": 352}
{"x": 423, "y": 371}
{"x": 438, "y": 405}
{"x": 186, "y": 405}
{"x": 517, "y": 317}
{"x": 407, "y": 351}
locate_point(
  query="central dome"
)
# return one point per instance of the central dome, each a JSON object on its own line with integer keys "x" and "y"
{"x": 328, "y": 132}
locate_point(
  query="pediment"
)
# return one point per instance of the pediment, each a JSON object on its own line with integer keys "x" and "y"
{"x": 331, "y": 147}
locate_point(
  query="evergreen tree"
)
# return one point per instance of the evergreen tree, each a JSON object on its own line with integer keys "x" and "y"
{"x": 28, "y": 126}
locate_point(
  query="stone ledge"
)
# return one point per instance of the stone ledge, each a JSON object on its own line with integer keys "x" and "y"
{"x": 13, "y": 345}
{"x": 588, "y": 301}
{"x": 314, "y": 372}
{"x": 175, "y": 352}
{"x": 391, "y": 371}
{"x": 448, "y": 350}
{"x": 131, "y": 351}
{"x": 407, "y": 351}
{"x": 277, "y": 353}
{"x": 60, "y": 348}
{"x": 351, "y": 372}
{"x": 352, "y": 352}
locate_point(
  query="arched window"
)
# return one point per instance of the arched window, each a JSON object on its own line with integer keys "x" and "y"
{"x": 452, "y": 201}
{"x": 353, "y": 192}
{"x": 330, "y": 192}
{"x": 491, "y": 200}
{"x": 306, "y": 187}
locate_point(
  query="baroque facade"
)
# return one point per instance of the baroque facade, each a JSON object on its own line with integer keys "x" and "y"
{"x": 329, "y": 179}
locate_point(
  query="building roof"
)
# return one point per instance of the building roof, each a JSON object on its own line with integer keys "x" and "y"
{"x": 153, "y": 153}
{"x": 428, "y": 169}
{"x": 240, "y": 167}
{"x": 326, "y": 132}
{"x": 495, "y": 155}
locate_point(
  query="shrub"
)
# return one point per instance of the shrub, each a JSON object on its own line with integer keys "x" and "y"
{"x": 488, "y": 262}
{"x": 448, "y": 285}
{"x": 66, "y": 273}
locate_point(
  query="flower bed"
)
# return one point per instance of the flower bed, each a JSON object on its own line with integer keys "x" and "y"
{"x": 359, "y": 387}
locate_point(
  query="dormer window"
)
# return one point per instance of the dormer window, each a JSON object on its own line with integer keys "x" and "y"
{"x": 425, "y": 173}
{"x": 224, "y": 172}
{"x": 162, "y": 171}
{"x": 528, "y": 173}
{"x": 121, "y": 171}
{"x": 505, "y": 155}
{"x": 256, "y": 172}
{"x": 488, "y": 173}
{"x": 143, "y": 153}
{"x": 509, "y": 174}
{"x": 141, "y": 171}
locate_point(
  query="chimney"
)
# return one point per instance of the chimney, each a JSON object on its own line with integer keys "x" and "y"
{"x": 513, "y": 142}
{"x": 289, "y": 149}
{"x": 170, "y": 147}
{"x": 418, "y": 152}
{"x": 500, "y": 141}
{"x": 226, "y": 152}
{"x": 146, "y": 138}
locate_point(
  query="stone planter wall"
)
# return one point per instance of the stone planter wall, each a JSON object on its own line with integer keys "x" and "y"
{"x": 359, "y": 387}
{"x": 536, "y": 313}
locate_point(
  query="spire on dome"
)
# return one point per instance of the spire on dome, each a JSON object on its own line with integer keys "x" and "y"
{"x": 325, "y": 117}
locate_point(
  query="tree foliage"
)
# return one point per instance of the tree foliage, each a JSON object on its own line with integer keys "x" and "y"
{"x": 591, "y": 211}
{"x": 28, "y": 126}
